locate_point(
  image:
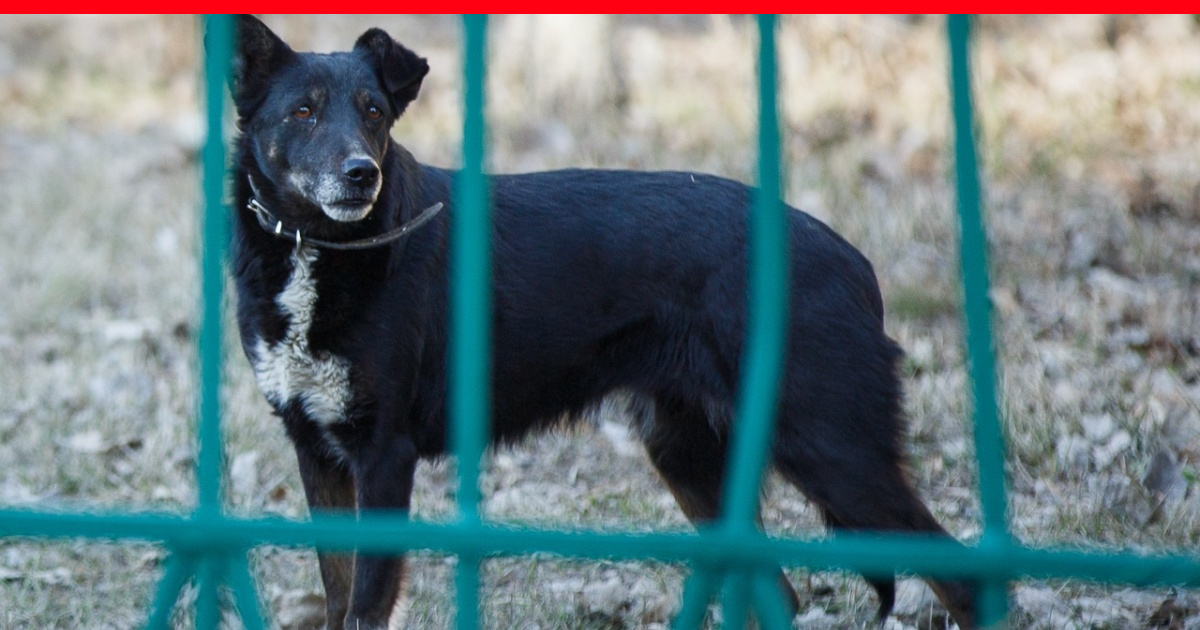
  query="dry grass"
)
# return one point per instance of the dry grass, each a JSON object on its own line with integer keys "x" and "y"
{"x": 1089, "y": 128}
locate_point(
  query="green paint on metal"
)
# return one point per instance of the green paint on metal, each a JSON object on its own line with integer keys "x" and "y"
{"x": 989, "y": 442}
{"x": 179, "y": 569}
{"x": 215, "y": 229}
{"x": 769, "y": 601}
{"x": 757, "y": 396}
{"x": 975, "y": 285}
{"x": 470, "y": 272}
{"x": 210, "y": 567}
{"x": 470, "y": 315}
{"x": 383, "y": 534}
{"x": 698, "y": 590}
{"x": 244, "y": 593}
{"x": 735, "y": 601}
{"x": 208, "y": 602}
{"x": 767, "y": 312}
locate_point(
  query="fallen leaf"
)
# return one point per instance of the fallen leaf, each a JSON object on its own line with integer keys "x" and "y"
{"x": 243, "y": 473}
{"x": 87, "y": 442}
{"x": 1170, "y": 614}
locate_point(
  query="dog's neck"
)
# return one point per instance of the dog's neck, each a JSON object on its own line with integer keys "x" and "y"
{"x": 273, "y": 225}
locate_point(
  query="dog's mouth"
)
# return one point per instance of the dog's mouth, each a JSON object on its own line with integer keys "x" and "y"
{"x": 348, "y": 210}
{"x": 337, "y": 200}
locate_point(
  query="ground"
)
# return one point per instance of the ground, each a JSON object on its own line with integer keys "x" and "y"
{"x": 1088, "y": 128}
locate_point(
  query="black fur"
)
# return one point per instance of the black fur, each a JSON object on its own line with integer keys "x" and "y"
{"x": 604, "y": 281}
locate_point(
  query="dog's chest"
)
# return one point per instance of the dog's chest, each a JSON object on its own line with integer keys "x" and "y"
{"x": 289, "y": 370}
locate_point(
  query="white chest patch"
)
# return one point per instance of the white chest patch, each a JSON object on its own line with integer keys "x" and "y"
{"x": 288, "y": 369}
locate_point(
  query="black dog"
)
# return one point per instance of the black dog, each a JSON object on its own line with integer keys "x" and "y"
{"x": 604, "y": 281}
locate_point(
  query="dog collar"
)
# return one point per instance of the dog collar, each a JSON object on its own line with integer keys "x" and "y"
{"x": 273, "y": 225}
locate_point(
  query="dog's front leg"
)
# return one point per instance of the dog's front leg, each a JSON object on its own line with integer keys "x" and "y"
{"x": 383, "y": 481}
{"x": 329, "y": 486}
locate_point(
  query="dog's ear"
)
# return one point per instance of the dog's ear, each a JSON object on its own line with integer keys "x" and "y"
{"x": 258, "y": 53}
{"x": 400, "y": 68}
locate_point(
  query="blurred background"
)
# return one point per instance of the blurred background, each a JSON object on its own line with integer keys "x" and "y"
{"x": 1088, "y": 136}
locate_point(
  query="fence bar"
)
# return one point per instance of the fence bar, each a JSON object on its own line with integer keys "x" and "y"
{"x": 767, "y": 311}
{"x": 208, "y": 600}
{"x": 470, "y": 310}
{"x": 769, "y": 600}
{"x": 215, "y": 224}
{"x": 698, "y": 590}
{"x": 925, "y": 555}
{"x": 244, "y": 593}
{"x": 179, "y": 569}
{"x": 736, "y": 599}
{"x": 766, "y": 314}
{"x": 989, "y": 440}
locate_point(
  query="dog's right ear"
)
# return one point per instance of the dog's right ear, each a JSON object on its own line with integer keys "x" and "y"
{"x": 258, "y": 54}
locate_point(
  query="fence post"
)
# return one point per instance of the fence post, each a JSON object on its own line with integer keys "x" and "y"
{"x": 471, "y": 312}
{"x": 210, "y": 570}
{"x": 761, "y": 366}
{"x": 989, "y": 439}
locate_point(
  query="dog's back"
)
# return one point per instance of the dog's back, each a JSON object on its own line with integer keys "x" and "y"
{"x": 610, "y": 279}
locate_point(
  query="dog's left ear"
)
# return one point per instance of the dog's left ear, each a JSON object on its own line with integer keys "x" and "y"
{"x": 258, "y": 54}
{"x": 400, "y": 68}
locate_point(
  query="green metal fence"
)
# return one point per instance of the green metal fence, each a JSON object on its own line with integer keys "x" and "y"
{"x": 732, "y": 556}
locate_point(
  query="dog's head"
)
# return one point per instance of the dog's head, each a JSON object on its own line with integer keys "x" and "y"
{"x": 317, "y": 125}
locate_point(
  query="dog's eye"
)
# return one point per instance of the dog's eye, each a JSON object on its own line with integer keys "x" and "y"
{"x": 374, "y": 113}
{"x": 303, "y": 112}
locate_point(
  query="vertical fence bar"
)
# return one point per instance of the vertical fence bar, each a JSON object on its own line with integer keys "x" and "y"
{"x": 470, "y": 310}
{"x": 241, "y": 582}
{"x": 989, "y": 439}
{"x": 215, "y": 235}
{"x": 763, "y": 356}
{"x": 770, "y": 604}
{"x": 697, "y": 591}
{"x": 208, "y": 600}
{"x": 179, "y": 569}
{"x": 766, "y": 314}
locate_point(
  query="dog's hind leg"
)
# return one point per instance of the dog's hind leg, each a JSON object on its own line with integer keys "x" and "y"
{"x": 690, "y": 457}
{"x": 329, "y": 486}
{"x": 885, "y": 589}
{"x": 859, "y": 483}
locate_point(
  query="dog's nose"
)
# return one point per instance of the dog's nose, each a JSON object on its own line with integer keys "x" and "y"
{"x": 360, "y": 170}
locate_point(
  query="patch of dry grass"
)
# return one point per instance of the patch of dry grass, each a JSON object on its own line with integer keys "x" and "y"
{"x": 1089, "y": 128}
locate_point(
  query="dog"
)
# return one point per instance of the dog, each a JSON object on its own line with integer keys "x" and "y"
{"x": 604, "y": 282}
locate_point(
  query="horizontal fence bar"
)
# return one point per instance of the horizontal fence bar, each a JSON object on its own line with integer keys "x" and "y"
{"x": 873, "y": 554}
